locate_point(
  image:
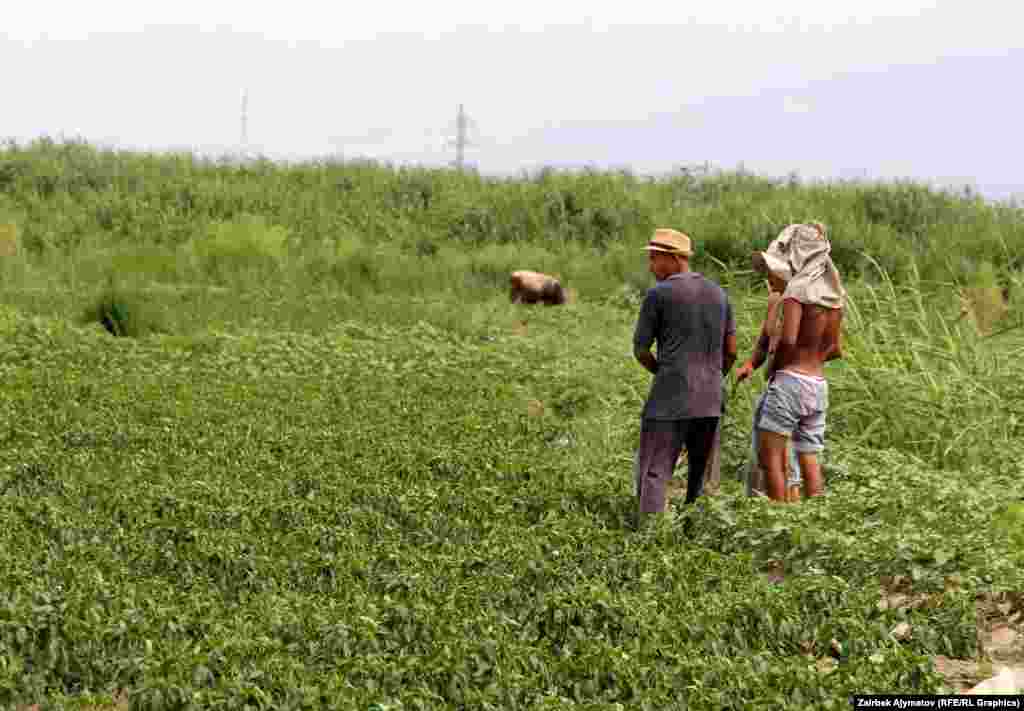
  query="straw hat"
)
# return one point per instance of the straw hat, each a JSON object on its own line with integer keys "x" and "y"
{"x": 671, "y": 242}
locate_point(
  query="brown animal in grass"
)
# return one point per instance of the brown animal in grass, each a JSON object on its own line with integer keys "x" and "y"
{"x": 533, "y": 287}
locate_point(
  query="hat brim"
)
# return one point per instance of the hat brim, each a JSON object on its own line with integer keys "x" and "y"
{"x": 673, "y": 252}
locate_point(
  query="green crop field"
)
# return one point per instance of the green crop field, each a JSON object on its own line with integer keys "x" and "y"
{"x": 324, "y": 463}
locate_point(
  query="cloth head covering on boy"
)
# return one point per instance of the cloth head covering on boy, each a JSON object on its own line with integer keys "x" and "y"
{"x": 800, "y": 256}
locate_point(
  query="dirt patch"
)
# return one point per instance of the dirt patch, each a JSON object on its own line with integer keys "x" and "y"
{"x": 1001, "y": 627}
{"x": 675, "y": 489}
{"x": 1000, "y": 631}
{"x": 961, "y": 674}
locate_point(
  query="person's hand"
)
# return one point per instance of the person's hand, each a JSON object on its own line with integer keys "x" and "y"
{"x": 744, "y": 371}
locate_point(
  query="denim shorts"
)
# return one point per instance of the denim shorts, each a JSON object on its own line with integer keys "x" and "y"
{"x": 753, "y": 475}
{"x": 795, "y": 405}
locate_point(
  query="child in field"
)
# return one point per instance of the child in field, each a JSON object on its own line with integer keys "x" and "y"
{"x": 771, "y": 333}
{"x": 792, "y": 412}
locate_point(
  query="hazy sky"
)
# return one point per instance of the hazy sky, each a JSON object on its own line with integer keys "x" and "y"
{"x": 866, "y": 89}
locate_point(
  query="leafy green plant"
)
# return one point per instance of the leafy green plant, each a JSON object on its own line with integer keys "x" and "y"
{"x": 360, "y": 478}
{"x": 1009, "y": 522}
{"x": 124, "y": 313}
{"x": 233, "y": 250}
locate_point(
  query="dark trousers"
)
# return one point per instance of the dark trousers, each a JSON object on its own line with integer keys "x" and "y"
{"x": 661, "y": 442}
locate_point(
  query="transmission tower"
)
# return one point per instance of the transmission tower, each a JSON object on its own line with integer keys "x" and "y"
{"x": 245, "y": 123}
{"x": 462, "y": 123}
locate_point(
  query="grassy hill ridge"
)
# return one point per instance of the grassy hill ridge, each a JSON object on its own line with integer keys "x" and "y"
{"x": 63, "y": 195}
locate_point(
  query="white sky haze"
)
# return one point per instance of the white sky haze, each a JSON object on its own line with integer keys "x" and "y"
{"x": 868, "y": 89}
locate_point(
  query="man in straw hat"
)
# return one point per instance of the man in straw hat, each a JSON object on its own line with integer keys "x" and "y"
{"x": 691, "y": 319}
{"x": 798, "y": 264}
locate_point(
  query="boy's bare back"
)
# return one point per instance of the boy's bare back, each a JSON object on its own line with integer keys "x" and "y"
{"x": 817, "y": 338}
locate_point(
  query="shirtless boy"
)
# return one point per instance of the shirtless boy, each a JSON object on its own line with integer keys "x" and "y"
{"x": 796, "y": 400}
{"x": 764, "y": 354}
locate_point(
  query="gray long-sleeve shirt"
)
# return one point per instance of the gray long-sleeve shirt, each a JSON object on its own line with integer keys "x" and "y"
{"x": 689, "y": 316}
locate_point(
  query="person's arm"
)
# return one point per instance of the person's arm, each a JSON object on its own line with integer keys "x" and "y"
{"x": 729, "y": 353}
{"x": 763, "y": 346}
{"x": 761, "y": 349}
{"x": 834, "y": 334}
{"x": 643, "y": 336}
{"x": 756, "y": 360}
{"x": 647, "y": 360}
{"x": 729, "y": 349}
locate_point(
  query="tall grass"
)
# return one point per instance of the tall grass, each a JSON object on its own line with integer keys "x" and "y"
{"x": 63, "y": 195}
{"x": 920, "y": 377}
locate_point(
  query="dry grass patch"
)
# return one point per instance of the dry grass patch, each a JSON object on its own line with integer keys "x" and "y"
{"x": 8, "y": 240}
{"x": 535, "y": 408}
{"x": 984, "y": 307}
{"x": 119, "y": 703}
